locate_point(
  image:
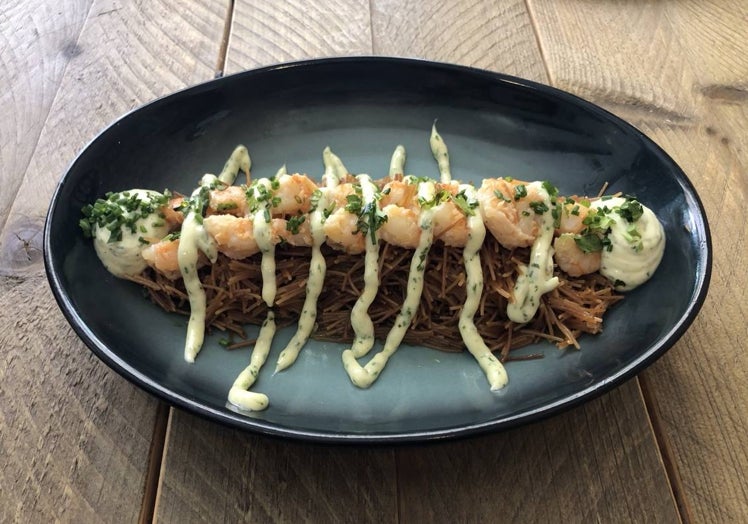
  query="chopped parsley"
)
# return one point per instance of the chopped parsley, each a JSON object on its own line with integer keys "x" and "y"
{"x": 539, "y": 207}
{"x": 631, "y": 210}
{"x": 120, "y": 210}
{"x": 293, "y": 223}
{"x": 464, "y": 204}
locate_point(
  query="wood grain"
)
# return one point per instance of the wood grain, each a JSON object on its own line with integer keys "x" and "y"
{"x": 265, "y": 33}
{"x": 678, "y": 71}
{"x": 121, "y": 60}
{"x": 491, "y": 35}
{"x": 593, "y": 464}
{"x": 270, "y": 480}
{"x": 37, "y": 40}
{"x": 579, "y": 467}
{"x": 74, "y": 436}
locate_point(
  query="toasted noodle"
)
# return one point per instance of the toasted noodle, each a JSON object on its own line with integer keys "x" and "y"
{"x": 233, "y": 289}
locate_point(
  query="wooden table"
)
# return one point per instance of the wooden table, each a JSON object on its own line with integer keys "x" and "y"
{"x": 78, "y": 443}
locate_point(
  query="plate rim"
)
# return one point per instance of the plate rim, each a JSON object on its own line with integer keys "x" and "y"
{"x": 546, "y": 410}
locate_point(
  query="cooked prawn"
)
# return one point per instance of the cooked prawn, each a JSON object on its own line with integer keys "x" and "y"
{"x": 293, "y": 194}
{"x": 341, "y": 229}
{"x": 401, "y": 228}
{"x": 162, "y": 256}
{"x": 232, "y": 200}
{"x": 571, "y": 216}
{"x": 508, "y": 213}
{"x": 572, "y": 260}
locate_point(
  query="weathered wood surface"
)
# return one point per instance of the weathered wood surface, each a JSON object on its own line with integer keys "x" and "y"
{"x": 75, "y": 440}
{"x": 74, "y": 436}
{"x": 679, "y": 71}
{"x": 576, "y": 467}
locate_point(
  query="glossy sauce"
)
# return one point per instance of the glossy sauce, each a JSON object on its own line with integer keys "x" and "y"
{"x": 491, "y": 366}
{"x": 364, "y": 377}
{"x": 361, "y": 322}
{"x": 631, "y": 261}
{"x": 194, "y": 238}
{"x": 122, "y": 258}
{"x": 537, "y": 278}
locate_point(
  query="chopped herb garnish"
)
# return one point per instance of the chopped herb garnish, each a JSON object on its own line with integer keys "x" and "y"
{"x": 630, "y": 210}
{"x": 464, "y": 204}
{"x": 589, "y": 243}
{"x": 539, "y": 207}
{"x": 520, "y": 191}
{"x": 120, "y": 211}
{"x": 550, "y": 189}
{"x": 498, "y": 194}
{"x": 293, "y": 223}
{"x": 316, "y": 195}
{"x": 225, "y": 206}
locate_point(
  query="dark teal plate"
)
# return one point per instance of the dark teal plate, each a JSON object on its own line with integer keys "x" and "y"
{"x": 495, "y": 125}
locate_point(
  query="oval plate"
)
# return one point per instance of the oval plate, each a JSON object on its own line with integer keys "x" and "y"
{"x": 494, "y": 125}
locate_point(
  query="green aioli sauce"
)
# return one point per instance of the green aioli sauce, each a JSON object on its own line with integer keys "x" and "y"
{"x": 317, "y": 269}
{"x": 397, "y": 163}
{"x": 334, "y": 168}
{"x": 441, "y": 154}
{"x": 361, "y": 322}
{"x": 238, "y": 394}
{"x": 239, "y": 159}
{"x": 536, "y": 279}
{"x": 491, "y": 366}
{"x": 193, "y": 239}
{"x": 364, "y": 377}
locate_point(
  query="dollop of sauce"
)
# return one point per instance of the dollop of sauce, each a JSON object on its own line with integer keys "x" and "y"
{"x": 635, "y": 249}
{"x": 122, "y": 257}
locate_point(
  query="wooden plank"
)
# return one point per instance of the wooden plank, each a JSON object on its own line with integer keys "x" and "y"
{"x": 678, "y": 71}
{"x": 490, "y": 35}
{"x": 121, "y": 60}
{"x": 211, "y": 473}
{"x": 265, "y": 33}
{"x": 37, "y": 40}
{"x": 596, "y": 463}
{"x": 74, "y": 436}
{"x": 578, "y": 466}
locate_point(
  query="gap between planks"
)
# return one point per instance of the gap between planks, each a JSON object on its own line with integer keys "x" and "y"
{"x": 159, "y": 440}
{"x": 223, "y": 50}
{"x": 664, "y": 446}
{"x": 648, "y": 396}
{"x": 155, "y": 462}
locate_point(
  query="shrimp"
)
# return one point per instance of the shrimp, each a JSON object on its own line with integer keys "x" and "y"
{"x": 450, "y": 224}
{"x": 293, "y": 194}
{"x": 401, "y": 228}
{"x": 507, "y": 211}
{"x": 231, "y": 200}
{"x": 399, "y": 193}
{"x": 572, "y": 215}
{"x": 296, "y": 232}
{"x": 572, "y": 260}
{"x": 341, "y": 229}
{"x": 234, "y": 236}
{"x": 162, "y": 256}
{"x": 172, "y": 216}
